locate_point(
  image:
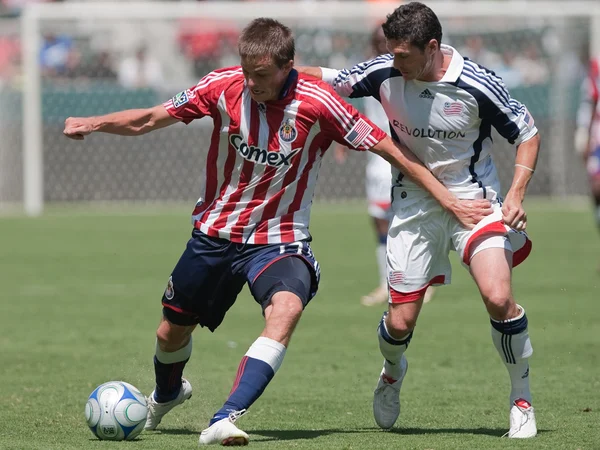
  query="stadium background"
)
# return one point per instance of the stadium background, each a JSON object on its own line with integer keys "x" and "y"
{"x": 90, "y": 67}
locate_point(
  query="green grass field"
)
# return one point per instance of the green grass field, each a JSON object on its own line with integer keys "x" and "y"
{"x": 81, "y": 301}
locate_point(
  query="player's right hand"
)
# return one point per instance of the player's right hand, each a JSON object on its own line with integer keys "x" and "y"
{"x": 470, "y": 212}
{"x": 77, "y": 127}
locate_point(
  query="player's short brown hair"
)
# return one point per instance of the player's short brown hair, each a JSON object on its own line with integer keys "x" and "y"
{"x": 267, "y": 37}
{"x": 414, "y": 23}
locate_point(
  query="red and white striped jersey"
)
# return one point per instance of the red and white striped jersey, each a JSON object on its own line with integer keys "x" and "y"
{"x": 264, "y": 158}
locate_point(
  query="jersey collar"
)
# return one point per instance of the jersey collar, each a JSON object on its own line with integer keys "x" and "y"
{"x": 289, "y": 83}
{"x": 456, "y": 65}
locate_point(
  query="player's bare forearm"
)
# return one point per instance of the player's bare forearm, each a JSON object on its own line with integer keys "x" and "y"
{"x": 525, "y": 164}
{"x": 312, "y": 71}
{"x": 468, "y": 212}
{"x": 131, "y": 122}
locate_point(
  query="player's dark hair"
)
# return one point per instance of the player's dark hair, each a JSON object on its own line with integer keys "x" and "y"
{"x": 267, "y": 37}
{"x": 414, "y": 23}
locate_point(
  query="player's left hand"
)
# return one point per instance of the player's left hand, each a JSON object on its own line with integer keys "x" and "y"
{"x": 513, "y": 213}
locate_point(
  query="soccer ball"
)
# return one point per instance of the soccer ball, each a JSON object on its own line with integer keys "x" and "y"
{"x": 115, "y": 411}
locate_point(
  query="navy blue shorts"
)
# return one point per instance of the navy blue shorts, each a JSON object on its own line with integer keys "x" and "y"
{"x": 211, "y": 273}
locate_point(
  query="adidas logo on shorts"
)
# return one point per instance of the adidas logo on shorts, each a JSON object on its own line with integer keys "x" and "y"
{"x": 426, "y": 94}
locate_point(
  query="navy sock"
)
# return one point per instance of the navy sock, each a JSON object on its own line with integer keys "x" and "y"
{"x": 168, "y": 370}
{"x": 255, "y": 371}
{"x": 168, "y": 380}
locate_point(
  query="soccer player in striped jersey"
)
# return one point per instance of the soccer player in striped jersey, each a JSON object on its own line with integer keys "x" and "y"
{"x": 272, "y": 127}
{"x": 443, "y": 107}
{"x": 587, "y": 137}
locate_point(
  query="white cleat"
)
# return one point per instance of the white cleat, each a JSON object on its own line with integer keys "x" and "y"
{"x": 522, "y": 420}
{"x": 386, "y": 398}
{"x": 225, "y": 432}
{"x": 378, "y": 296}
{"x": 156, "y": 410}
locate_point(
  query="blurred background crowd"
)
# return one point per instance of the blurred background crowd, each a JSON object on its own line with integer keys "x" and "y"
{"x": 203, "y": 46}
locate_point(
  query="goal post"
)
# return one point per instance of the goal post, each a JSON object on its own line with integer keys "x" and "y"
{"x": 327, "y": 32}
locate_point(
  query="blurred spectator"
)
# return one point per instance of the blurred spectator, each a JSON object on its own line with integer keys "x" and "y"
{"x": 475, "y": 50}
{"x": 140, "y": 71}
{"x": 101, "y": 67}
{"x": 507, "y": 71}
{"x": 208, "y": 44}
{"x": 533, "y": 69}
{"x": 10, "y": 54}
{"x": 55, "y": 54}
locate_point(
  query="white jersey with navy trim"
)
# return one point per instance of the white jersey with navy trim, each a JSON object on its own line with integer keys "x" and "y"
{"x": 446, "y": 123}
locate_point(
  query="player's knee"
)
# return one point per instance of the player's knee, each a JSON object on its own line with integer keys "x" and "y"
{"x": 288, "y": 304}
{"x": 399, "y": 325}
{"x": 171, "y": 337}
{"x": 500, "y": 306}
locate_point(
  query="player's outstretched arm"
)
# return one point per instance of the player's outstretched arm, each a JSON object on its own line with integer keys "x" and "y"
{"x": 468, "y": 212}
{"x": 512, "y": 209}
{"x": 131, "y": 122}
{"x": 312, "y": 71}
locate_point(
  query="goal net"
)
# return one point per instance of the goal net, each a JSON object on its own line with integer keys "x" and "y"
{"x": 91, "y": 58}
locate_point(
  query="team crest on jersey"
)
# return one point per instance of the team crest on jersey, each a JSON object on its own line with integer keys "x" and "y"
{"x": 287, "y": 131}
{"x": 170, "y": 290}
{"x": 182, "y": 98}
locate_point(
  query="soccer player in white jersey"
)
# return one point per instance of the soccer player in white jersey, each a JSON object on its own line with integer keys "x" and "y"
{"x": 443, "y": 106}
{"x": 378, "y": 186}
{"x": 272, "y": 127}
{"x": 587, "y": 137}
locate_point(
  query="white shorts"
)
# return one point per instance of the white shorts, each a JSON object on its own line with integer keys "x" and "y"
{"x": 421, "y": 236}
{"x": 379, "y": 189}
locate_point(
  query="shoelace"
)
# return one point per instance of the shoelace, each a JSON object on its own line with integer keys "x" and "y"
{"x": 235, "y": 415}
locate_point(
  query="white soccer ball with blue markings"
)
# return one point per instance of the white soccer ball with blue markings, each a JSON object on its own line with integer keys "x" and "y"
{"x": 116, "y": 411}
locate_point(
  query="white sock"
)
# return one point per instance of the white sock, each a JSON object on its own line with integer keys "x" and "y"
{"x": 174, "y": 357}
{"x": 382, "y": 264}
{"x": 392, "y": 349}
{"x": 511, "y": 339}
{"x": 269, "y": 351}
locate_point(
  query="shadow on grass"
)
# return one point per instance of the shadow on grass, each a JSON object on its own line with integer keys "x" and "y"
{"x": 289, "y": 435}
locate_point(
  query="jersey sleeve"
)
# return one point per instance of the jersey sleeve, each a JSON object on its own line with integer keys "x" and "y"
{"x": 362, "y": 80}
{"x": 198, "y": 101}
{"x": 342, "y": 122}
{"x": 508, "y": 116}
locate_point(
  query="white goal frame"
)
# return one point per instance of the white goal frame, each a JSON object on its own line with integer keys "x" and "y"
{"x": 33, "y": 14}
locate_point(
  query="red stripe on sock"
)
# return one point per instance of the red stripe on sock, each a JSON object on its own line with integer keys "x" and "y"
{"x": 239, "y": 374}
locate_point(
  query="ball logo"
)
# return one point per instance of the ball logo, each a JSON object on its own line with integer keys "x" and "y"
{"x": 287, "y": 131}
{"x": 170, "y": 290}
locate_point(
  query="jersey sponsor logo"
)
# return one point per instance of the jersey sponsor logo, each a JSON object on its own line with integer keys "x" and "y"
{"x": 287, "y": 131}
{"x": 429, "y": 132}
{"x": 426, "y": 94}
{"x": 182, "y": 98}
{"x": 260, "y": 155}
{"x": 358, "y": 133}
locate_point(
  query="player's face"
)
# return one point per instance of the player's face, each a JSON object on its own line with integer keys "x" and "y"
{"x": 264, "y": 77}
{"x": 411, "y": 61}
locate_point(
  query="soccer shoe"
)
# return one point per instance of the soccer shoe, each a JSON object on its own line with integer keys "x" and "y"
{"x": 522, "y": 420}
{"x": 429, "y": 293}
{"x": 156, "y": 410}
{"x": 376, "y": 297}
{"x": 225, "y": 432}
{"x": 386, "y": 398}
